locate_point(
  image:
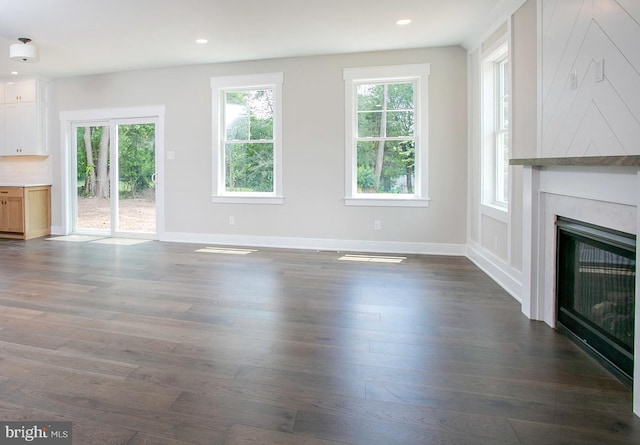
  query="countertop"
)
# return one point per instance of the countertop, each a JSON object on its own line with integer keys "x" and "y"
{"x": 22, "y": 185}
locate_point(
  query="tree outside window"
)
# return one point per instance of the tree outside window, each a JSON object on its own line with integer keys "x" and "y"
{"x": 247, "y": 134}
{"x": 248, "y": 144}
{"x": 387, "y": 135}
{"x": 385, "y": 141}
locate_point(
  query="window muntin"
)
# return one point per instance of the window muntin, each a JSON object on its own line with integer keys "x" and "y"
{"x": 386, "y": 135}
{"x": 247, "y": 138}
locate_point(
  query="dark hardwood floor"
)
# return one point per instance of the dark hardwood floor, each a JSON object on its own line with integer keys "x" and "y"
{"x": 158, "y": 344}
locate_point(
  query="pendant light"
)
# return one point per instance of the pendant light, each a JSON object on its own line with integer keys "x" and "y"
{"x": 23, "y": 52}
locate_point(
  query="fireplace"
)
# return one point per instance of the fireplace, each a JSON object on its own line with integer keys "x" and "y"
{"x": 596, "y": 277}
{"x": 602, "y": 192}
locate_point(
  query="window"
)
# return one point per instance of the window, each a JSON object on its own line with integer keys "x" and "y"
{"x": 495, "y": 146}
{"x": 386, "y": 135}
{"x": 247, "y": 132}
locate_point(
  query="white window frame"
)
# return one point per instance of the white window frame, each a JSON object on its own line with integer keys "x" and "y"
{"x": 492, "y": 156}
{"x": 219, "y": 86}
{"x": 419, "y": 74}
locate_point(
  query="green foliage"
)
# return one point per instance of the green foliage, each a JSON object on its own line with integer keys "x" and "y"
{"x": 136, "y": 158}
{"x": 249, "y": 167}
{"x": 84, "y": 169}
{"x": 386, "y": 147}
{"x": 249, "y": 135}
{"x": 366, "y": 179}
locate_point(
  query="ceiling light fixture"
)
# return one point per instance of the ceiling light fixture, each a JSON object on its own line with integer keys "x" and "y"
{"x": 23, "y": 52}
{"x": 202, "y": 41}
{"x": 403, "y": 22}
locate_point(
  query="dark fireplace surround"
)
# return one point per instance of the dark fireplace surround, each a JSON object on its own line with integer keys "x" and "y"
{"x": 596, "y": 276}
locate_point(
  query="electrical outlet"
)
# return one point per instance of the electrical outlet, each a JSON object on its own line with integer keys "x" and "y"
{"x": 232, "y": 220}
{"x": 377, "y": 225}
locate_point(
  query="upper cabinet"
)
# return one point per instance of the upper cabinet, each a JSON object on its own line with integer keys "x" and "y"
{"x": 22, "y": 91}
{"x": 23, "y": 118}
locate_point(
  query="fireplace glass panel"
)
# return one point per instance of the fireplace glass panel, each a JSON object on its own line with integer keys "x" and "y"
{"x": 596, "y": 291}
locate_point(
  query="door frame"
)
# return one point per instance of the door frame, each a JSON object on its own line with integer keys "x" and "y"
{"x": 87, "y": 117}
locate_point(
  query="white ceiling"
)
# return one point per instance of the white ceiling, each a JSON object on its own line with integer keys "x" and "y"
{"x": 79, "y": 37}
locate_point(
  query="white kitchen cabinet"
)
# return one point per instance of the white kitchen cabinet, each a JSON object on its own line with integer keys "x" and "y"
{"x": 3, "y": 135}
{"x": 23, "y": 118}
{"x": 21, "y": 91}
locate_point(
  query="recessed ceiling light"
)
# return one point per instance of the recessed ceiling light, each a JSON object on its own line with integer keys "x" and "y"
{"x": 15, "y": 73}
{"x": 202, "y": 41}
{"x": 403, "y": 22}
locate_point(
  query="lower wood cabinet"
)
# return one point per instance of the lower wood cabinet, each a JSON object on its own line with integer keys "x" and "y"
{"x": 25, "y": 212}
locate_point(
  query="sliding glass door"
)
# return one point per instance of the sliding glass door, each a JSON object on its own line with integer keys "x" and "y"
{"x": 115, "y": 177}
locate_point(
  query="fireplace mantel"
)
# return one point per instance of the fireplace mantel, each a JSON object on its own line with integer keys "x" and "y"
{"x": 585, "y": 161}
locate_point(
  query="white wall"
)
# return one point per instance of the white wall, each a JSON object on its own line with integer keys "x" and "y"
{"x": 495, "y": 240}
{"x": 25, "y": 170}
{"x": 314, "y": 214}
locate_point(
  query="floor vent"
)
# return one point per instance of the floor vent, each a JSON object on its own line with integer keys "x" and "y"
{"x": 226, "y": 250}
{"x": 373, "y": 259}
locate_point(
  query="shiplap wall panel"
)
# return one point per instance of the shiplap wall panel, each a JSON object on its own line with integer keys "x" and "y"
{"x": 589, "y": 117}
{"x": 632, "y": 6}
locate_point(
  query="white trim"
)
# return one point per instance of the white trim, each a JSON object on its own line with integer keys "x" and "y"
{"x": 496, "y": 51}
{"x": 58, "y": 230}
{"x": 386, "y": 201}
{"x": 512, "y": 131}
{"x": 495, "y": 212}
{"x": 489, "y": 158}
{"x": 113, "y": 113}
{"x": 248, "y": 199}
{"x": 491, "y": 21}
{"x": 318, "y": 244}
{"x": 250, "y": 81}
{"x": 499, "y": 271}
{"x": 419, "y": 73}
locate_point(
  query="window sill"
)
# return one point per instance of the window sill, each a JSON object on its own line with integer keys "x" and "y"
{"x": 496, "y": 212}
{"x": 272, "y": 200}
{"x": 384, "y": 201}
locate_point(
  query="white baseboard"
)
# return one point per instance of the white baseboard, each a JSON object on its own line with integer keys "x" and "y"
{"x": 58, "y": 230}
{"x": 317, "y": 244}
{"x": 498, "y": 270}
